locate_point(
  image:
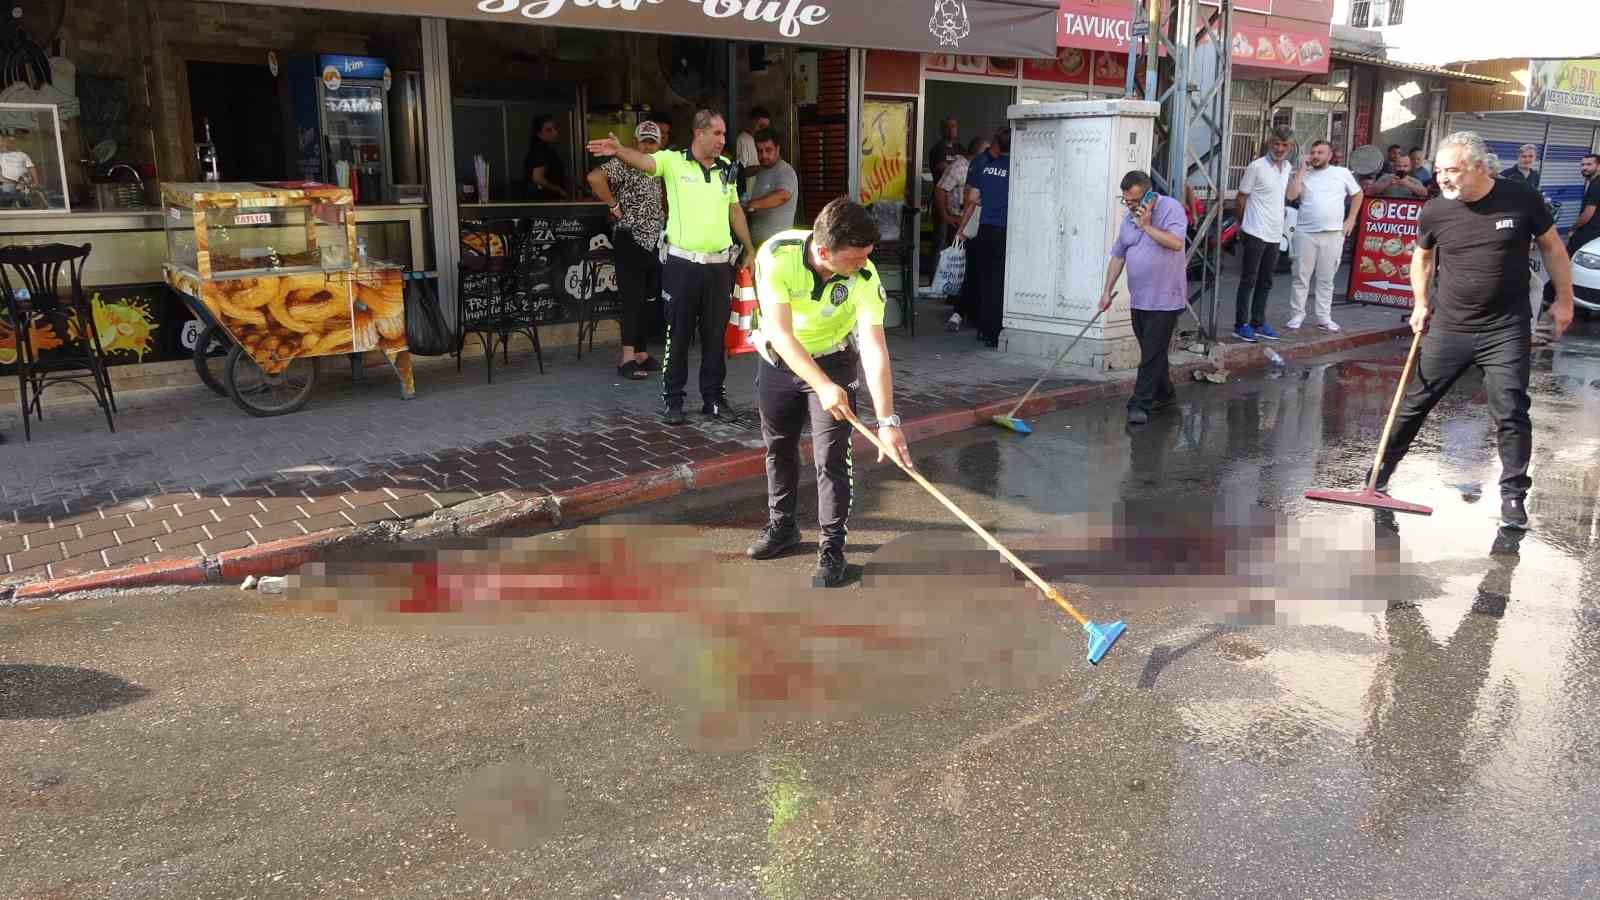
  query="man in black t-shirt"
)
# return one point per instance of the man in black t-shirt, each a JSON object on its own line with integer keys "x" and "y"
{"x": 1588, "y": 224}
{"x": 1476, "y": 237}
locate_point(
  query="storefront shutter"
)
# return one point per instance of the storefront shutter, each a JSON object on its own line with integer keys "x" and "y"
{"x": 1560, "y": 175}
{"x": 824, "y": 145}
{"x": 1504, "y": 134}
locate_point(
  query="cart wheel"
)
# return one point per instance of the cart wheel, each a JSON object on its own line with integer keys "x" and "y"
{"x": 260, "y": 394}
{"x": 210, "y": 359}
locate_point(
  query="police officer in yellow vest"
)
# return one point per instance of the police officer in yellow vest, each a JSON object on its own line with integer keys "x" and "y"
{"x": 822, "y": 306}
{"x": 703, "y": 217}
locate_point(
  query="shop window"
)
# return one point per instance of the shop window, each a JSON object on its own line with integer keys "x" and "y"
{"x": 1376, "y": 13}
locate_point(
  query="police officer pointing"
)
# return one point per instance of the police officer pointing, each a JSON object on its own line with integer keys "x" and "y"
{"x": 822, "y": 306}
{"x": 703, "y": 216}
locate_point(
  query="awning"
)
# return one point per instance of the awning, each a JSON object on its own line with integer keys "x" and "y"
{"x": 1379, "y": 62}
{"x": 1007, "y": 28}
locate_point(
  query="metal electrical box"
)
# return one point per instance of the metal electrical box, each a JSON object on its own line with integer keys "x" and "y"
{"x": 1067, "y": 162}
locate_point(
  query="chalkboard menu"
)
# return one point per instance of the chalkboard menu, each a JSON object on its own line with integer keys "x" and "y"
{"x": 546, "y": 268}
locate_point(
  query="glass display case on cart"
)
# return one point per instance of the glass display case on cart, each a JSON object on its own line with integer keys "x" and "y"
{"x": 276, "y": 272}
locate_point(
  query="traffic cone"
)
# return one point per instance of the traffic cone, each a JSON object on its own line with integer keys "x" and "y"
{"x": 741, "y": 320}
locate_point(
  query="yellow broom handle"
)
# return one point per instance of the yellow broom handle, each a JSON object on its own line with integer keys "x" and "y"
{"x": 989, "y": 538}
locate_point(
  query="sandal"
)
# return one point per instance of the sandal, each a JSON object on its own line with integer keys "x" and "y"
{"x": 631, "y": 370}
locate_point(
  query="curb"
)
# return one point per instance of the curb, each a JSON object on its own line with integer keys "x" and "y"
{"x": 505, "y": 511}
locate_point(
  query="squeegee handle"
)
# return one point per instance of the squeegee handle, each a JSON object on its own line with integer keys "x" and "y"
{"x": 1394, "y": 409}
{"x": 1059, "y": 357}
{"x": 988, "y": 538}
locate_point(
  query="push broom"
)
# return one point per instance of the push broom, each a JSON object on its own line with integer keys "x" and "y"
{"x": 1101, "y": 637}
{"x": 1009, "y": 420}
{"x": 1371, "y": 497}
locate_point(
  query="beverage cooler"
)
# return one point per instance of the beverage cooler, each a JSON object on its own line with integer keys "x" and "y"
{"x": 341, "y": 122}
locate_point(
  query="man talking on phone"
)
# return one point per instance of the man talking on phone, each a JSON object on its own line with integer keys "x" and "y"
{"x": 1149, "y": 246}
{"x": 822, "y": 306}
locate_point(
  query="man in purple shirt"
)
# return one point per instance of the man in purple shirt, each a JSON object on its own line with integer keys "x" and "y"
{"x": 1150, "y": 245}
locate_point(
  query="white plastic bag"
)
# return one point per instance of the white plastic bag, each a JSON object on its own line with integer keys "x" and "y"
{"x": 952, "y": 270}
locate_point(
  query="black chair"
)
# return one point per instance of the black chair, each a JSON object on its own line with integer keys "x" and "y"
{"x": 595, "y": 263}
{"x": 488, "y": 286}
{"x": 80, "y": 358}
{"x": 899, "y": 254}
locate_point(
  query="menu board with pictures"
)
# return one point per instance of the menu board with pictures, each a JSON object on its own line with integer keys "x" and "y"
{"x": 1386, "y": 236}
{"x": 536, "y": 270}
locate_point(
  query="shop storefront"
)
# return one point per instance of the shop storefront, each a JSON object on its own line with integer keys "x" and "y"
{"x": 1553, "y": 105}
{"x": 428, "y": 110}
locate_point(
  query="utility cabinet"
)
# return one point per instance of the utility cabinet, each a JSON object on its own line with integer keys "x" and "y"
{"x": 1067, "y": 163}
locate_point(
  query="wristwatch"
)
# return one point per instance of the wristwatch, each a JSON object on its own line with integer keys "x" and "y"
{"x": 891, "y": 422}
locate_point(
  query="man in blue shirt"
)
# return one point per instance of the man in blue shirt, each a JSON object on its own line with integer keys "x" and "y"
{"x": 989, "y": 188}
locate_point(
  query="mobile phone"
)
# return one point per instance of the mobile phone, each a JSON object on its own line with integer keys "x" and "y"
{"x": 1148, "y": 198}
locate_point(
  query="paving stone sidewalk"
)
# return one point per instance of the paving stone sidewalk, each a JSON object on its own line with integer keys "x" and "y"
{"x": 187, "y": 474}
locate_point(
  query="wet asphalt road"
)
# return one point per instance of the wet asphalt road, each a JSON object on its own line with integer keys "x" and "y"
{"x": 1432, "y": 732}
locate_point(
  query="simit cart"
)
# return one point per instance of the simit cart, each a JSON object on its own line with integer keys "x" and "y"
{"x": 273, "y": 271}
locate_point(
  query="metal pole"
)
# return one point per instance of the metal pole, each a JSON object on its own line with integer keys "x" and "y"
{"x": 444, "y": 213}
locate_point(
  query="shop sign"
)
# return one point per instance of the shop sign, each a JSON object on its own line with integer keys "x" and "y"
{"x": 1564, "y": 87}
{"x": 1273, "y": 48}
{"x": 1017, "y": 28}
{"x": 1091, "y": 25}
{"x": 1386, "y": 236}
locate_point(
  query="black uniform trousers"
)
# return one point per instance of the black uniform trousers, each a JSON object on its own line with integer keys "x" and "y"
{"x": 1260, "y": 260}
{"x": 1153, "y": 330}
{"x": 786, "y": 402}
{"x": 638, "y": 283}
{"x": 1504, "y": 355}
{"x": 986, "y": 265}
{"x": 700, "y": 296}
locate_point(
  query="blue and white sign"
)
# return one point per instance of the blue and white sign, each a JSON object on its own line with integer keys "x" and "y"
{"x": 353, "y": 66}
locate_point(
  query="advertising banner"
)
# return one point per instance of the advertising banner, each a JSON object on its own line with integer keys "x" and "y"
{"x": 1386, "y": 236}
{"x": 885, "y": 126}
{"x": 1564, "y": 87}
{"x": 1272, "y": 48}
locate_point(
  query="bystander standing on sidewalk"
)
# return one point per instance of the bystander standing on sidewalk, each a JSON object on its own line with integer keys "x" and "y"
{"x": 989, "y": 190}
{"x": 1259, "y": 206}
{"x": 1523, "y": 171}
{"x": 1400, "y": 184}
{"x": 1149, "y": 246}
{"x": 951, "y": 203}
{"x": 1420, "y": 169}
{"x": 1327, "y": 217}
{"x": 703, "y": 218}
{"x": 634, "y": 199}
{"x": 745, "y": 152}
{"x": 774, "y": 191}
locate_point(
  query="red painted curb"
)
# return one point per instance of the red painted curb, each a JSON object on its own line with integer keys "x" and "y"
{"x": 522, "y": 512}
{"x": 279, "y": 557}
{"x": 171, "y": 571}
{"x": 727, "y": 470}
{"x": 593, "y": 500}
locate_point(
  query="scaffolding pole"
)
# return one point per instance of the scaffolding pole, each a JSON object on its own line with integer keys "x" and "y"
{"x": 1189, "y": 72}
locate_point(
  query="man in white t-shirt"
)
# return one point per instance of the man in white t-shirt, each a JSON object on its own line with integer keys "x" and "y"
{"x": 17, "y": 171}
{"x": 1326, "y": 218}
{"x": 1259, "y": 205}
{"x": 952, "y": 189}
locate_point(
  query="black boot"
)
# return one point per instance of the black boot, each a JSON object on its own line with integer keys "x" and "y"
{"x": 673, "y": 415}
{"x": 775, "y": 538}
{"x": 830, "y": 568}
{"x": 717, "y": 408}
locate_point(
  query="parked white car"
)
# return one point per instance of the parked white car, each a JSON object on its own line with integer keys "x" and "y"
{"x": 1586, "y": 277}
